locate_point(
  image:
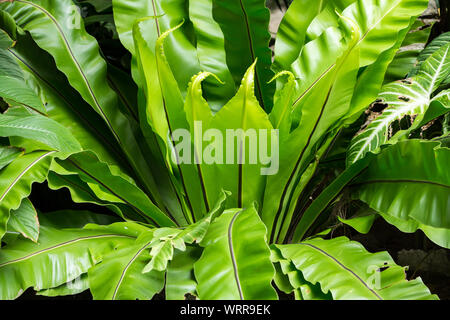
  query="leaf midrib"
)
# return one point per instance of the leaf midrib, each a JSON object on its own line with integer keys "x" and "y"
{"x": 31, "y": 165}
{"x": 252, "y": 51}
{"x": 71, "y": 106}
{"x": 303, "y": 94}
{"x": 97, "y": 180}
{"x": 420, "y": 100}
{"x": 232, "y": 255}
{"x": 340, "y": 264}
{"x": 63, "y": 244}
{"x": 402, "y": 181}
{"x": 77, "y": 64}
{"x": 125, "y": 270}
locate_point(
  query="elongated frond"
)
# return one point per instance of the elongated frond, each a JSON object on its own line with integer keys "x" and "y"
{"x": 349, "y": 272}
{"x": 16, "y": 180}
{"x": 409, "y": 181}
{"x": 76, "y": 54}
{"x": 68, "y": 253}
{"x": 227, "y": 268}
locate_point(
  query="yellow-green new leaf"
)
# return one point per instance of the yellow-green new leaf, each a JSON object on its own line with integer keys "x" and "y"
{"x": 241, "y": 123}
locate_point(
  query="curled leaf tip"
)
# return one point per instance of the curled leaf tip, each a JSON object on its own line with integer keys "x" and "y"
{"x": 355, "y": 31}
{"x": 284, "y": 73}
{"x": 165, "y": 34}
{"x": 203, "y": 75}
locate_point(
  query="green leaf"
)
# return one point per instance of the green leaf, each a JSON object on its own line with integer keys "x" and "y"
{"x": 167, "y": 14}
{"x": 371, "y": 79}
{"x": 327, "y": 196}
{"x": 25, "y": 221}
{"x": 349, "y": 272}
{"x": 408, "y": 97}
{"x": 161, "y": 254}
{"x": 440, "y": 236}
{"x": 314, "y": 66}
{"x": 74, "y": 287}
{"x": 211, "y": 53}
{"x": 241, "y": 176}
{"x": 13, "y": 83}
{"x": 281, "y": 280}
{"x": 291, "y": 34}
{"x": 112, "y": 185}
{"x": 403, "y": 62}
{"x": 384, "y": 26}
{"x": 407, "y": 57}
{"x": 64, "y": 104}
{"x": 39, "y": 128}
{"x": 195, "y": 233}
{"x": 293, "y": 281}
{"x": 167, "y": 239}
{"x": 380, "y": 22}
{"x": 436, "y": 44}
{"x": 164, "y": 112}
{"x": 61, "y": 33}
{"x": 16, "y": 180}
{"x": 120, "y": 277}
{"x": 8, "y": 30}
{"x": 80, "y": 191}
{"x": 317, "y": 107}
{"x": 419, "y": 33}
{"x": 328, "y": 17}
{"x": 13, "y": 89}
{"x": 57, "y": 36}
{"x": 180, "y": 278}
{"x": 8, "y": 154}
{"x": 409, "y": 181}
{"x": 198, "y": 112}
{"x": 68, "y": 108}
{"x": 227, "y": 268}
{"x": 280, "y": 116}
{"x": 68, "y": 253}
{"x": 362, "y": 222}
{"x": 245, "y": 28}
